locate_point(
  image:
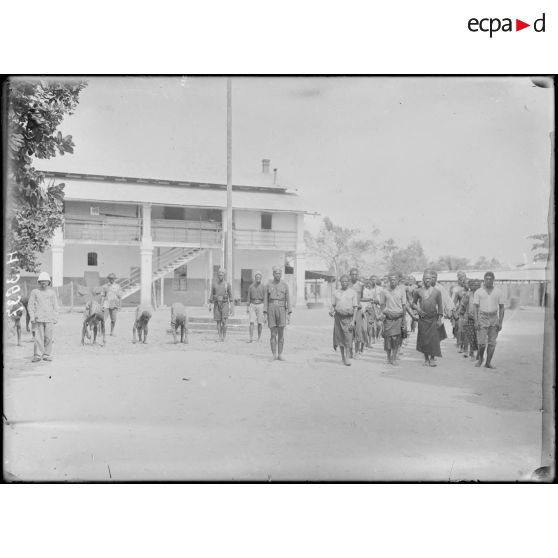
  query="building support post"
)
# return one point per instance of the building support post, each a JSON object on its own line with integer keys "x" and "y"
{"x": 223, "y": 262}
{"x": 229, "y": 264}
{"x": 57, "y": 251}
{"x": 162, "y": 297}
{"x": 300, "y": 261}
{"x": 146, "y": 250}
{"x": 209, "y": 273}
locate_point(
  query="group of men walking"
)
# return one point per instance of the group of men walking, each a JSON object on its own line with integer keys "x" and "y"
{"x": 365, "y": 309}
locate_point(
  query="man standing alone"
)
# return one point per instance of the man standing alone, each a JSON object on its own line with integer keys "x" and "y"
{"x": 488, "y": 302}
{"x": 255, "y": 305}
{"x": 277, "y": 309}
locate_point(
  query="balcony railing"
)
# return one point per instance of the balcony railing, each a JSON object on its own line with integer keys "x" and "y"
{"x": 202, "y": 233}
{"x": 258, "y": 239}
{"x": 123, "y": 229}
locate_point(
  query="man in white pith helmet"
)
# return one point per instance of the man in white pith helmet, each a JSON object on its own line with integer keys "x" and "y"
{"x": 43, "y": 313}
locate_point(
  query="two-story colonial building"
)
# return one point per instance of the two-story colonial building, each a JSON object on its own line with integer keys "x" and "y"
{"x": 165, "y": 239}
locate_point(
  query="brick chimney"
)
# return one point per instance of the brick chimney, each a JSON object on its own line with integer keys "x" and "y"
{"x": 265, "y": 165}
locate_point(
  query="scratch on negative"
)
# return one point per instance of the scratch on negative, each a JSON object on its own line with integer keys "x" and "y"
{"x": 108, "y": 467}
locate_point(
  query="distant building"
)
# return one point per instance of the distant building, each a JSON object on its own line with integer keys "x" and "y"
{"x": 528, "y": 283}
{"x": 165, "y": 239}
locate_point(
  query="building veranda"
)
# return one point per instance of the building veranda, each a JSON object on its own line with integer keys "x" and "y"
{"x": 165, "y": 239}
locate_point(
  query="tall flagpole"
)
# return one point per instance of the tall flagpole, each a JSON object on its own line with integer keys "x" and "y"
{"x": 229, "y": 239}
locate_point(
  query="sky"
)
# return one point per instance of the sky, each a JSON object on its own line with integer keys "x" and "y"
{"x": 460, "y": 163}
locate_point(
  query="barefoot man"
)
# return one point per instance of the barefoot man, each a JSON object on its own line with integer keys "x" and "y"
{"x": 255, "y": 305}
{"x": 344, "y": 310}
{"x": 143, "y": 315}
{"x": 488, "y": 303}
{"x": 457, "y": 293}
{"x": 447, "y": 303}
{"x": 393, "y": 302}
{"x": 277, "y": 309}
{"x": 179, "y": 321}
{"x": 427, "y": 301}
{"x": 94, "y": 318}
{"x": 360, "y": 329}
{"x": 221, "y": 297}
{"x": 112, "y": 300}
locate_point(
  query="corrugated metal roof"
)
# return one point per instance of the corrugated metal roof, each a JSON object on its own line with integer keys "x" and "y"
{"x": 181, "y": 194}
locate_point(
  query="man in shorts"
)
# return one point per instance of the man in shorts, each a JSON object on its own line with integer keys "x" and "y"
{"x": 277, "y": 310}
{"x": 255, "y": 305}
{"x": 219, "y": 302}
{"x": 112, "y": 299}
{"x": 179, "y": 320}
{"x": 488, "y": 304}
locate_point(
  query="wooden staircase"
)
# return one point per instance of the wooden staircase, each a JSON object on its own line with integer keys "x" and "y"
{"x": 168, "y": 262}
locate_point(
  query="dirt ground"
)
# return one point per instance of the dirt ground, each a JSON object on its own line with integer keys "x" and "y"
{"x": 225, "y": 411}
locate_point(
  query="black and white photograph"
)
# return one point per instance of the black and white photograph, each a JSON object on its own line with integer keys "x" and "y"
{"x": 278, "y": 278}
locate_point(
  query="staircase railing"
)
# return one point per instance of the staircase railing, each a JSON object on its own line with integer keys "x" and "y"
{"x": 167, "y": 258}
{"x": 132, "y": 279}
{"x": 172, "y": 255}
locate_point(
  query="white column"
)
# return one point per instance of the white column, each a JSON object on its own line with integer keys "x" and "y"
{"x": 209, "y": 273}
{"x": 300, "y": 262}
{"x": 57, "y": 251}
{"x": 162, "y": 302}
{"x": 146, "y": 251}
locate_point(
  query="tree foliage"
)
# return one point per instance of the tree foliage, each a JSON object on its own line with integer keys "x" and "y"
{"x": 405, "y": 260}
{"x": 36, "y": 109}
{"x": 483, "y": 263}
{"x": 340, "y": 248}
{"x": 450, "y": 263}
{"x": 541, "y": 247}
